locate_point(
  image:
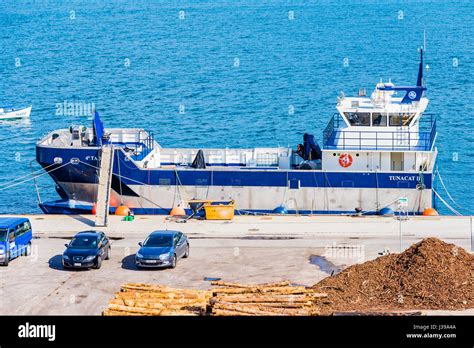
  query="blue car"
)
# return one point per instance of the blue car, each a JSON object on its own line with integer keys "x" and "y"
{"x": 15, "y": 238}
{"x": 87, "y": 250}
{"x": 162, "y": 249}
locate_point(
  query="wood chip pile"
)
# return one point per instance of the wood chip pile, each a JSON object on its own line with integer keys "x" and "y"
{"x": 430, "y": 274}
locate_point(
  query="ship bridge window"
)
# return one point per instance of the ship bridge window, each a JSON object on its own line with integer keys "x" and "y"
{"x": 379, "y": 120}
{"x": 358, "y": 118}
{"x": 402, "y": 119}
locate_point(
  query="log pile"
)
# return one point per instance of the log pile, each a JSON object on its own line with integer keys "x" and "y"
{"x": 224, "y": 299}
{"x": 264, "y": 299}
{"x": 143, "y": 299}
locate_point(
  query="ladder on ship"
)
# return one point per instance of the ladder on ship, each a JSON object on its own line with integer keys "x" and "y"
{"x": 105, "y": 179}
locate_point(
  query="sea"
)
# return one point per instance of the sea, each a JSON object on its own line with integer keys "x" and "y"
{"x": 226, "y": 74}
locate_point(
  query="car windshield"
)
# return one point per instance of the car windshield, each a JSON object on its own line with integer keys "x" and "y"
{"x": 84, "y": 242}
{"x": 159, "y": 241}
{"x": 3, "y": 234}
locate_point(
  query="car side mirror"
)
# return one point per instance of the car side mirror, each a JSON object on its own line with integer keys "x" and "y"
{"x": 140, "y": 243}
{"x": 66, "y": 245}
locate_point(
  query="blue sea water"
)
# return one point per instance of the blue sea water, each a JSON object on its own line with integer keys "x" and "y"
{"x": 227, "y": 73}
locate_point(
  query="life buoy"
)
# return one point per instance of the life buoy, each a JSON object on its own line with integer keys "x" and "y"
{"x": 345, "y": 160}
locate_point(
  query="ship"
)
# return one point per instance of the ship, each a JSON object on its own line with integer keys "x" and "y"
{"x": 11, "y": 113}
{"x": 377, "y": 152}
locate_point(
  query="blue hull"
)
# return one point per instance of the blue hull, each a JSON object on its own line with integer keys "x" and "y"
{"x": 86, "y": 172}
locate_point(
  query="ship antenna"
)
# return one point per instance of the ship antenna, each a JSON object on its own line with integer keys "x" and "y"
{"x": 419, "y": 80}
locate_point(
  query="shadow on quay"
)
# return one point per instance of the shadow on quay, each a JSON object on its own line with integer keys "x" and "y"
{"x": 84, "y": 220}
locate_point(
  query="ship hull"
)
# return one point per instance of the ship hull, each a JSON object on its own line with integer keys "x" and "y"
{"x": 157, "y": 191}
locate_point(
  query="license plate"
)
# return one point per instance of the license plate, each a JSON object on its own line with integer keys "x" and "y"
{"x": 150, "y": 261}
{"x": 77, "y": 264}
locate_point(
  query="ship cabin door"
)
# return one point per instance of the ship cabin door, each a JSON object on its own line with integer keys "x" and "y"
{"x": 396, "y": 160}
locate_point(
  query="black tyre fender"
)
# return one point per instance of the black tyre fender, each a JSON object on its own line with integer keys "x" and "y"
{"x": 109, "y": 251}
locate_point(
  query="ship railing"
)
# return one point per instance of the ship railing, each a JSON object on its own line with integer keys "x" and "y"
{"x": 140, "y": 143}
{"x": 337, "y": 137}
{"x": 146, "y": 138}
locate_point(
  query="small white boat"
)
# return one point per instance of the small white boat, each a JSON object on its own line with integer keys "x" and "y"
{"x": 7, "y": 113}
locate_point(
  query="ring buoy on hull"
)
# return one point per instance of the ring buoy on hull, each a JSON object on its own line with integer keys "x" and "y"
{"x": 345, "y": 160}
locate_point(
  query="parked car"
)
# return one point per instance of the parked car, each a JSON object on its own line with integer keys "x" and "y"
{"x": 162, "y": 249}
{"x": 87, "y": 250}
{"x": 15, "y": 238}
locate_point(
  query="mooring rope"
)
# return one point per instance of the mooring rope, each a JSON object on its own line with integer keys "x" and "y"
{"x": 447, "y": 192}
{"x": 365, "y": 212}
{"x": 24, "y": 176}
{"x": 138, "y": 182}
{"x": 447, "y": 204}
{"x": 33, "y": 178}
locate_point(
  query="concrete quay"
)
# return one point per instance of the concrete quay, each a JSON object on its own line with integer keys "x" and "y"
{"x": 248, "y": 249}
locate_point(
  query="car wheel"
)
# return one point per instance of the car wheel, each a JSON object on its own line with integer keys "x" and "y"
{"x": 107, "y": 257}
{"x": 28, "y": 250}
{"x": 173, "y": 263}
{"x": 98, "y": 262}
{"x": 7, "y": 259}
{"x": 186, "y": 253}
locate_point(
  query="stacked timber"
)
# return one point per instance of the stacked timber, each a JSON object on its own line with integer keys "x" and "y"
{"x": 143, "y": 299}
{"x": 224, "y": 299}
{"x": 269, "y": 299}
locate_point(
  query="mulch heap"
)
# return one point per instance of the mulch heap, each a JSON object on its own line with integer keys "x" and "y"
{"x": 431, "y": 274}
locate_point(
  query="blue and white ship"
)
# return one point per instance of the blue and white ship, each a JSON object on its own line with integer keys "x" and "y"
{"x": 375, "y": 150}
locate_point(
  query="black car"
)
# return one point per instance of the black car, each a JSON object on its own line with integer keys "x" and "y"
{"x": 87, "y": 250}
